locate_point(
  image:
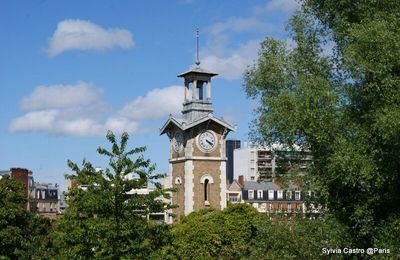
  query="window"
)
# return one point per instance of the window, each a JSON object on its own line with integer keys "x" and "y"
{"x": 280, "y": 194}
{"x": 280, "y": 206}
{"x": 252, "y": 178}
{"x": 289, "y": 207}
{"x": 270, "y": 194}
{"x": 271, "y": 206}
{"x": 43, "y": 194}
{"x": 297, "y": 195}
{"x": 206, "y": 190}
{"x": 259, "y": 194}
{"x": 251, "y": 194}
{"x": 233, "y": 197}
{"x": 178, "y": 180}
{"x": 288, "y": 195}
{"x": 298, "y": 206}
{"x": 261, "y": 205}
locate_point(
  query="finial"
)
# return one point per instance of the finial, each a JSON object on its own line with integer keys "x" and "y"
{"x": 197, "y": 45}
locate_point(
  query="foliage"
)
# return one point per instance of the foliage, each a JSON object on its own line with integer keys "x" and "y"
{"x": 13, "y": 218}
{"x": 341, "y": 104}
{"x": 107, "y": 217}
{"x": 22, "y": 235}
{"x": 387, "y": 238}
{"x": 300, "y": 237}
{"x": 213, "y": 234}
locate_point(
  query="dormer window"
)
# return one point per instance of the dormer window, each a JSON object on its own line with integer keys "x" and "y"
{"x": 297, "y": 195}
{"x": 259, "y": 194}
{"x": 288, "y": 195}
{"x": 251, "y": 194}
{"x": 271, "y": 195}
{"x": 280, "y": 194}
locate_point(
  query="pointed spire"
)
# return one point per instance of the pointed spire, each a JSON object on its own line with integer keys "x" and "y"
{"x": 197, "y": 48}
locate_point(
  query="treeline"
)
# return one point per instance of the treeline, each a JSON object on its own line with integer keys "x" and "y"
{"x": 334, "y": 90}
{"x": 238, "y": 232}
{"x": 106, "y": 219}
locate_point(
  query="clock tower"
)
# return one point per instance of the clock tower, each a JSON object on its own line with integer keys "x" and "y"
{"x": 197, "y": 161}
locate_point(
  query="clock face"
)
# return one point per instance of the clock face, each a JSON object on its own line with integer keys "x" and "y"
{"x": 207, "y": 141}
{"x": 178, "y": 141}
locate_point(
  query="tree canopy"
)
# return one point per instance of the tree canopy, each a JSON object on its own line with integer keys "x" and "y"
{"x": 335, "y": 91}
{"x": 107, "y": 214}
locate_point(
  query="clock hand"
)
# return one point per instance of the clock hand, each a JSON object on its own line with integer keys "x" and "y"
{"x": 208, "y": 141}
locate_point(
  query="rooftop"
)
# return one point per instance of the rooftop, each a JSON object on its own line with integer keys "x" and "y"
{"x": 254, "y": 185}
{"x": 197, "y": 70}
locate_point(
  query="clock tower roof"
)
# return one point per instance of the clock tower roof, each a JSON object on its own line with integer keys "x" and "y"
{"x": 196, "y": 72}
{"x": 183, "y": 125}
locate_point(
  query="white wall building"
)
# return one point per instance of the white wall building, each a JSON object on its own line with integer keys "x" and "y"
{"x": 256, "y": 163}
{"x": 245, "y": 163}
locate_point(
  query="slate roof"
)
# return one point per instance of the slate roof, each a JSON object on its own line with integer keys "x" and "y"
{"x": 183, "y": 125}
{"x": 253, "y": 185}
{"x": 234, "y": 186}
{"x": 5, "y": 173}
{"x": 197, "y": 70}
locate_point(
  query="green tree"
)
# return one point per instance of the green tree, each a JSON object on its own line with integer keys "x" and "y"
{"x": 300, "y": 238}
{"x": 207, "y": 233}
{"x": 106, "y": 216}
{"x": 14, "y": 219}
{"x": 343, "y": 105}
{"x": 22, "y": 235}
{"x": 387, "y": 238}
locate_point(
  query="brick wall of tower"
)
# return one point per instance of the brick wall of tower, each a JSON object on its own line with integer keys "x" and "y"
{"x": 178, "y": 197}
{"x": 211, "y": 168}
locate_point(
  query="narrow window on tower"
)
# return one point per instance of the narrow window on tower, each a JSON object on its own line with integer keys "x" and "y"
{"x": 206, "y": 190}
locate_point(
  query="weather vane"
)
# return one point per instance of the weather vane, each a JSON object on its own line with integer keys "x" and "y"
{"x": 197, "y": 47}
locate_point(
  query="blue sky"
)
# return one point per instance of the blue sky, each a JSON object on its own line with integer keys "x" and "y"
{"x": 70, "y": 70}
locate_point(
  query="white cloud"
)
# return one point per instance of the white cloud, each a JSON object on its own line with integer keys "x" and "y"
{"x": 287, "y": 6}
{"x": 232, "y": 65}
{"x": 85, "y": 35}
{"x": 223, "y": 55}
{"x": 156, "y": 104}
{"x": 121, "y": 124}
{"x": 34, "y": 121}
{"x": 92, "y": 116}
{"x": 61, "y": 96}
{"x": 54, "y": 122}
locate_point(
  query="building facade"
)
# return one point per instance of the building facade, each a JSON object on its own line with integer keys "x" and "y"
{"x": 25, "y": 177}
{"x": 197, "y": 148}
{"x": 258, "y": 163}
{"x": 230, "y": 145}
{"x": 43, "y": 198}
{"x": 267, "y": 197}
{"x": 46, "y": 200}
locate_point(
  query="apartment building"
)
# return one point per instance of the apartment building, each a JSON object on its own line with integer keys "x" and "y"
{"x": 266, "y": 163}
{"x": 268, "y": 197}
{"x": 45, "y": 199}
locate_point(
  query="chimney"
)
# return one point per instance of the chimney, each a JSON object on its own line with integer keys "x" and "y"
{"x": 21, "y": 175}
{"x": 277, "y": 181}
{"x": 241, "y": 180}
